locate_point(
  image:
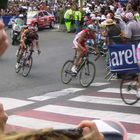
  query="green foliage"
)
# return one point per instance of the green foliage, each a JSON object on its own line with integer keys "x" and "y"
{"x": 3, "y": 4}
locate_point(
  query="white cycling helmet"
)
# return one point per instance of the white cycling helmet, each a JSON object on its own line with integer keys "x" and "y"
{"x": 91, "y": 27}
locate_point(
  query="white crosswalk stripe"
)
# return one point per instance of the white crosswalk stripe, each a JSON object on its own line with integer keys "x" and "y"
{"x": 102, "y": 100}
{"x": 90, "y": 113}
{"x": 55, "y": 94}
{"x": 10, "y": 103}
{"x": 110, "y": 90}
{"x": 34, "y": 123}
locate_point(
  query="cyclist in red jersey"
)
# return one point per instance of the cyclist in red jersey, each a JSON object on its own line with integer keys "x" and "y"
{"x": 80, "y": 44}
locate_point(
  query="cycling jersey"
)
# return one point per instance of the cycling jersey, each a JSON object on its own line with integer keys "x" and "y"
{"x": 29, "y": 36}
{"x": 32, "y": 35}
{"x": 85, "y": 34}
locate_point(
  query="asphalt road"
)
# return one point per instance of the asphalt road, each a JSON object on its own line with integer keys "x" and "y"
{"x": 62, "y": 103}
{"x": 56, "y": 48}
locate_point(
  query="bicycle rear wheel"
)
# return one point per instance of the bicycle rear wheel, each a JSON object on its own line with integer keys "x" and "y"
{"x": 128, "y": 90}
{"x": 66, "y": 75}
{"x": 87, "y": 74}
{"x": 27, "y": 65}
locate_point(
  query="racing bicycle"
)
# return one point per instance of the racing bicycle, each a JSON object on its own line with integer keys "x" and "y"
{"x": 26, "y": 62}
{"x": 86, "y": 71}
{"x": 128, "y": 89}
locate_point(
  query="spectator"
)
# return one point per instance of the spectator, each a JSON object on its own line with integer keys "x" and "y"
{"x": 90, "y": 132}
{"x": 132, "y": 30}
{"x": 3, "y": 118}
{"x": 3, "y": 39}
{"x": 78, "y": 19}
{"x": 112, "y": 33}
{"x": 68, "y": 18}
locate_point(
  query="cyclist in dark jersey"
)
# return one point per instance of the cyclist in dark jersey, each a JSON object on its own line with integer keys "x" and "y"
{"x": 29, "y": 38}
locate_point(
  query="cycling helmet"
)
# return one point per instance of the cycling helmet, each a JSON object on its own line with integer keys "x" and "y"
{"x": 91, "y": 27}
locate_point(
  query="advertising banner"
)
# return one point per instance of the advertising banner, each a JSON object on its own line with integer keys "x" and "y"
{"x": 122, "y": 58}
{"x": 123, "y": 1}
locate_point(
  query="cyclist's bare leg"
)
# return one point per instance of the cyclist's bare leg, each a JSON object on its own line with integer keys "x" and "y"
{"x": 78, "y": 58}
{"x": 20, "y": 51}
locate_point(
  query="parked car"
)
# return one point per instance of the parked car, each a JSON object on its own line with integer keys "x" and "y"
{"x": 40, "y": 19}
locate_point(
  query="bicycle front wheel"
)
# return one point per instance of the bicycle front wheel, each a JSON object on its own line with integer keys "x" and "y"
{"x": 87, "y": 74}
{"x": 27, "y": 65}
{"x": 128, "y": 90}
{"x": 66, "y": 75}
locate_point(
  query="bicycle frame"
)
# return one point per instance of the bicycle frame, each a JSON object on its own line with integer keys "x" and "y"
{"x": 84, "y": 61}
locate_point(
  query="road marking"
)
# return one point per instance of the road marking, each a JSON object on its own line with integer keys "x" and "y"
{"x": 112, "y": 90}
{"x": 55, "y": 94}
{"x": 33, "y": 123}
{"x": 101, "y": 100}
{"x": 96, "y": 84}
{"x": 90, "y": 113}
{"x": 11, "y": 103}
{"x": 40, "y": 98}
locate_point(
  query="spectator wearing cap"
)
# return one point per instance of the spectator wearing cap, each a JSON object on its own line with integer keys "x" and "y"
{"x": 132, "y": 30}
{"x": 112, "y": 32}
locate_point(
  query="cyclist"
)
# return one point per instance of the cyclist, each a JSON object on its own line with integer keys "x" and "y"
{"x": 29, "y": 37}
{"x": 132, "y": 34}
{"x": 80, "y": 44}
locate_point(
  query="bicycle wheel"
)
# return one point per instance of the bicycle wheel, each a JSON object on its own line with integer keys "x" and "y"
{"x": 66, "y": 75}
{"x": 87, "y": 74}
{"x": 27, "y": 65}
{"x": 128, "y": 90}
